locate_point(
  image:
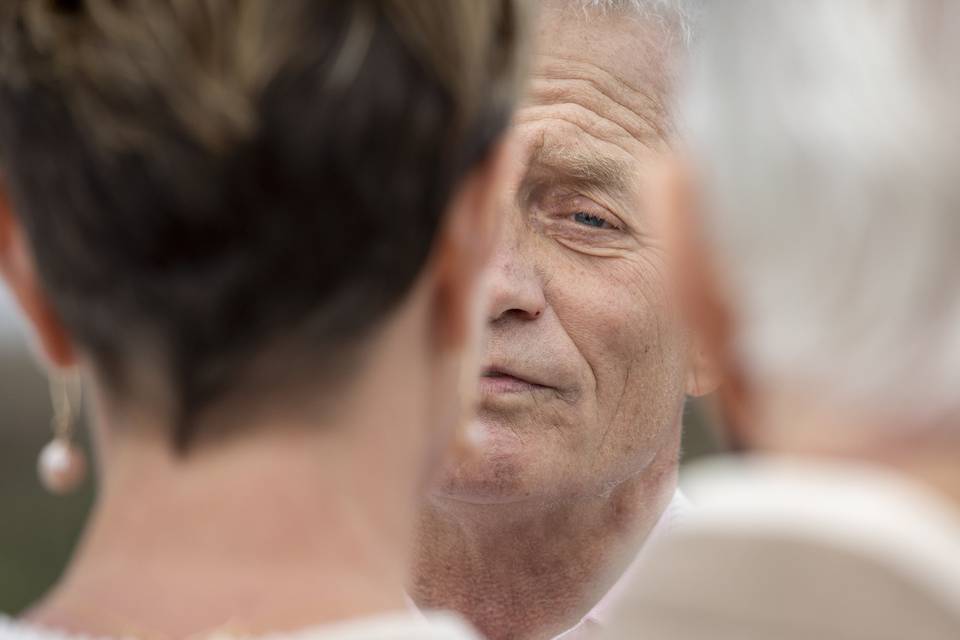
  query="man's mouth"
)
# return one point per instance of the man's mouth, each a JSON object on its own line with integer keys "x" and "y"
{"x": 496, "y": 381}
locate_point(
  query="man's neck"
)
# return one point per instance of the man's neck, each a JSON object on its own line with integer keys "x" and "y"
{"x": 528, "y": 571}
{"x": 259, "y": 533}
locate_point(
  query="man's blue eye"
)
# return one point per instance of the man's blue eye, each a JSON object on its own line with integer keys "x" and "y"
{"x": 590, "y": 220}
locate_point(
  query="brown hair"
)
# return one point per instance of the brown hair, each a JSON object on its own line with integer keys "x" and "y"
{"x": 201, "y": 178}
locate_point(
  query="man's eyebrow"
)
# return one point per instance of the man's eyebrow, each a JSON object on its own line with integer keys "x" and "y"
{"x": 580, "y": 166}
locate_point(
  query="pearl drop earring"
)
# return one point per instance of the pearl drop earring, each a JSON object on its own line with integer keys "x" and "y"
{"x": 62, "y": 465}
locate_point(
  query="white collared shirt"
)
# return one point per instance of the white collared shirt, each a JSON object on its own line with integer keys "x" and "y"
{"x": 600, "y": 613}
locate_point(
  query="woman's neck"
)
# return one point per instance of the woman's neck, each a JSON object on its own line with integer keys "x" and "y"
{"x": 260, "y": 533}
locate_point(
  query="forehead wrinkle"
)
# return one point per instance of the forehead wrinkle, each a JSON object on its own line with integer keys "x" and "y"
{"x": 585, "y": 121}
{"x": 599, "y": 90}
{"x": 598, "y": 141}
{"x": 586, "y": 117}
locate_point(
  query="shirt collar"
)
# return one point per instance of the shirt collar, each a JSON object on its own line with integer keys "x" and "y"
{"x": 600, "y": 613}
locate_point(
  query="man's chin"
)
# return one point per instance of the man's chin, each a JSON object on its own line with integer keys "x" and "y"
{"x": 474, "y": 496}
{"x": 482, "y": 481}
{"x": 495, "y": 472}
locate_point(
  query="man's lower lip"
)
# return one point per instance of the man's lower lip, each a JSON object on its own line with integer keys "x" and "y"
{"x": 494, "y": 385}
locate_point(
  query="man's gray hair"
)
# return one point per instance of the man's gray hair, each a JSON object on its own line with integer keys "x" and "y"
{"x": 675, "y": 16}
{"x": 827, "y": 139}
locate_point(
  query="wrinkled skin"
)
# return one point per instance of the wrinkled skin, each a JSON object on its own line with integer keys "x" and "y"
{"x": 587, "y": 365}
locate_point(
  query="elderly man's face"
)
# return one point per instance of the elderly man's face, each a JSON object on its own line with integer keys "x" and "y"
{"x": 586, "y": 366}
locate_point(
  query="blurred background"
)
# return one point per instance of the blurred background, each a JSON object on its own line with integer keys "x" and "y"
{"x": 37, "y": 530}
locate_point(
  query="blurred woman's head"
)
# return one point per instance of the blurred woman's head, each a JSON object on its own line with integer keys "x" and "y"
{"x": 225, "y": 208}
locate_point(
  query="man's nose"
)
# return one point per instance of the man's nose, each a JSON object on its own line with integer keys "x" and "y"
{"x": 515, "y": 288}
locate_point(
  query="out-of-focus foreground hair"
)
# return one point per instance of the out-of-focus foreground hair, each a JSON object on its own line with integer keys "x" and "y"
{"x": 207, "y": 181}
{"x": 825, "y": 140}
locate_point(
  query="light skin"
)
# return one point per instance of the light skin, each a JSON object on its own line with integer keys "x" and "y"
{"x": 586, "y": 366}
{"x": 783, "y": 416}
{"x": 281, "y": 525}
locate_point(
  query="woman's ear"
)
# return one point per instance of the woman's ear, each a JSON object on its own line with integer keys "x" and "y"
{"x": 19, "y": 271}
{"x": 466, "y": 242}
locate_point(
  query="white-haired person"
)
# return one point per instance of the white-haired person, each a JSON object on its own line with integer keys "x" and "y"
{"x": 815, "y": 224}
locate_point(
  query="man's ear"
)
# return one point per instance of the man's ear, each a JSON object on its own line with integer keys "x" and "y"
{"x": 704, "y": 374}
{"x": 18, "y": 269}
{"x": 705, "y": 304}
{"x": 466, "y": 242}
{"x": 690, "y": 275}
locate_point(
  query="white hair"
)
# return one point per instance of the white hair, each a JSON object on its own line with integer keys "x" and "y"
{"x": 826, "y": 134}
{"x": 675, "y": 17}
